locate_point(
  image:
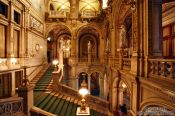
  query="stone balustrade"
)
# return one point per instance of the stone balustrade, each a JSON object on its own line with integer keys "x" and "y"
{"x": 58, "y": 14}
{"x": 11, "y": 106}
{"x": 89, "y": 14}
{"x": 161, "y": 68}
{"x": 92, "y": 101}
{"x": 126, "y": 63}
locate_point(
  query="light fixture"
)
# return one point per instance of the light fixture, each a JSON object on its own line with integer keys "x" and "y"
{"x": 83, "y": 90}
{"x": 55, "y": 62}
{"x": 124, "y": 85}
{"x": 105, "y": 4}
{"x": 49, "y": 38}
{"x": 13, "y": 60}
{"x": 83, "y": 110}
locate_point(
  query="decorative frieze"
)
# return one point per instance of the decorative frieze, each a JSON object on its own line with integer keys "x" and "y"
{"x": 36, "y": 25}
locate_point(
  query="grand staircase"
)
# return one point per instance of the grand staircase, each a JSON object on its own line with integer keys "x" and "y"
{"x": 56, "y": 103}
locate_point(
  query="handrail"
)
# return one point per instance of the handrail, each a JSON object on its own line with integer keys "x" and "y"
{"x": 91, "y": 100}
{"x": 34, "y": 70}
{"x": 39, "y": 112}
{"x": 11, "y": 106}
{"x": 4, "y": 71}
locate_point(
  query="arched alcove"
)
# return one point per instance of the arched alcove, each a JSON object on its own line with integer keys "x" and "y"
{"x": 82, "y": 76}
{"x": 83, "y": 46}
{"x": 95, "y": 86}
{"x": 124, "y": 95}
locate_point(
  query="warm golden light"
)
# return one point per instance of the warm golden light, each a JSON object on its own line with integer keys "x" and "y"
{"x": 55, "y": 62}
{"x": 83, "y": 92}
{"x": 13, "y": 60}
{"x": 105, "y": 4}
{"x": 124, "y": 85}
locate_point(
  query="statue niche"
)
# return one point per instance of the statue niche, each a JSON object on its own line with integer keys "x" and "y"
{"x": 88, "y": 44}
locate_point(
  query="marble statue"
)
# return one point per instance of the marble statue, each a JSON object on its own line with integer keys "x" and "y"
{"x": 89, "y": 47}
{"x": 123, "y": 39}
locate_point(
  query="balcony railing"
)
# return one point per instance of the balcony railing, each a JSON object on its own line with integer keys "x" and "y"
{"x": 126, "y": 63}
{"x": 95, "y": 102}
{"x": 11, "y": 106}
{"x": 58, "y": 14}
{"x": 83, "y": 60}
{"x": 161, "y": 68}
{"x": 88, "y": 14}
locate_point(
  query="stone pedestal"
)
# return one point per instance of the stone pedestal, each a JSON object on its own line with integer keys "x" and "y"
{"x": 27, "y": 93}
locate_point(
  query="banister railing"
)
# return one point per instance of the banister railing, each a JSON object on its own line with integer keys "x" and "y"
{"x": 35, "y": 111}
{"x": 126, "y": 63}
{"x": 95, "y": 102}
{"x": 161, "y": 68}
{"x": 11, "y": 106}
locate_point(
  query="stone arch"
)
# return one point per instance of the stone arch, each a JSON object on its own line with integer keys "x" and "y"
{"x": 92, "y": 25}
{"x": 82, "y": 76}
{"x": 117, "y": 92}
{"x": 95, "y": 83}
{"x": 55, "y": 26}
{"x": 118, "y": 17}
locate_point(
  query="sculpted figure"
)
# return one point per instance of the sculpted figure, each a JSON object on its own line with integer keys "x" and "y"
{"x": 123, "y": 39}
{"x": 89, "y": 46}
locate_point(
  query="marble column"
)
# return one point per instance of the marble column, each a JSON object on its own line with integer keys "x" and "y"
{"x": 10, "y": 30}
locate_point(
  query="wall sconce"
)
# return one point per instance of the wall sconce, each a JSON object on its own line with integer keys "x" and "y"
{"x": 13, "y": 60}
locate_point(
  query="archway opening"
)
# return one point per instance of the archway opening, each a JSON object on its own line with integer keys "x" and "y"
{"x": 95, "y": 88}
{"x": 82, "y": 76}
{"x": 124, "y": 97}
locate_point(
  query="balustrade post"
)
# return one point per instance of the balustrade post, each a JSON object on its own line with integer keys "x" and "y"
{"x": 26, "y": 91}
{"x": 170, "y": 70}
{"x": 89, "y": 83}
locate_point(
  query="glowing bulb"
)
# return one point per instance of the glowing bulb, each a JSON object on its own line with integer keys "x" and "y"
{"x": 105, "y": 5}
{"x": 124, "y": 85}
{"x": 13, "y": 60}
{"x": 49, "y": 38}
{"x": 83, "y": 91}
{"x": 55, "y": 62}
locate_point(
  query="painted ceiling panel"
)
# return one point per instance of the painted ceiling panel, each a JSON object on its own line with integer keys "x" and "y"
{"x": 91, "y": 5}
{"x": 61, "y": 5}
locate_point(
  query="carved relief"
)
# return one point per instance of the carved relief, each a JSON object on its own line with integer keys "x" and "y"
{"x": 36, "y": 25}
